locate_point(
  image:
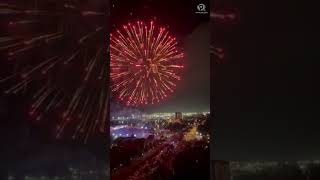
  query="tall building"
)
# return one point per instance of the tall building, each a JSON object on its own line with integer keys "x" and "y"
{"x": 178, "y": 115}
{"x": 221, "y": 170}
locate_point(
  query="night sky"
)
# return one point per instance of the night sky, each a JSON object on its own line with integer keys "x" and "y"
{"x": 193, "y": 91}
{"x": 264, "y": 94}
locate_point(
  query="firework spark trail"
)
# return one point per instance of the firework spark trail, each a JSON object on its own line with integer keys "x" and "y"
{"x": 217, "y": 51}
{"x": 72, "y": 82}
{"x": 229, "y": 16}
{"x": 145, "y": 63}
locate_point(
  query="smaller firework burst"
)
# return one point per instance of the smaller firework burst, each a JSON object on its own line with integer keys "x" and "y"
{"x": 214, "y": 50}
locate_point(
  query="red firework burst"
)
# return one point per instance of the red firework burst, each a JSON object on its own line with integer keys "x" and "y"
{"x": 60, "y": 65}
{"x": 145, "y": 63}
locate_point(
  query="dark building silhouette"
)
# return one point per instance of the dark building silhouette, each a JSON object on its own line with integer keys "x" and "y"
{"x": 178, "y": 116}
{"x": 221, "y": 170}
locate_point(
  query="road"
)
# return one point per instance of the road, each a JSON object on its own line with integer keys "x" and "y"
{"x": 162, "y": 155}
